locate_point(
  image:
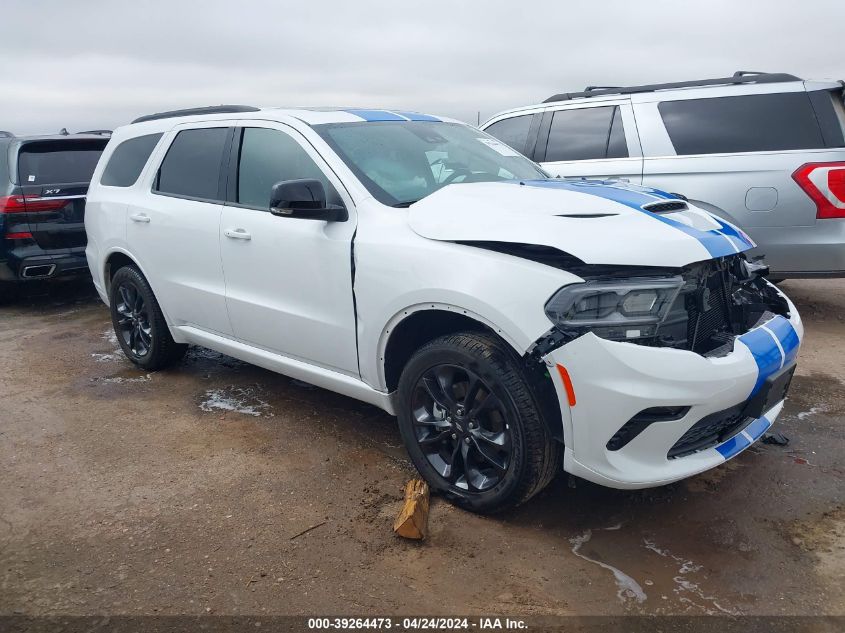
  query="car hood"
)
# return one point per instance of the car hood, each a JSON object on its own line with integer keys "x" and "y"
{"x": 599, "y": 222}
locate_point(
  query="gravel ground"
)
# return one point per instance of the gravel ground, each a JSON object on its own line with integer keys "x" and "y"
{"x": 123, "y": 492}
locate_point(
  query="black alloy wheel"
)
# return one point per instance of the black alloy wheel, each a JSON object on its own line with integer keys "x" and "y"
{"x": 133, "y": 323}
{"x": 470, "y": 420}
{"x": 461, "y": 427}
{"x": 139, "y": 323}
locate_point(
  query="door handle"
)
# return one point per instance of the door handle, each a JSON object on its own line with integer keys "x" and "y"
{"x": 140, "y": 217}
{"x": 237, "y": 234}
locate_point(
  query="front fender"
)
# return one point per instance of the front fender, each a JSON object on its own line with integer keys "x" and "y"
{"x": 405, "y": 273}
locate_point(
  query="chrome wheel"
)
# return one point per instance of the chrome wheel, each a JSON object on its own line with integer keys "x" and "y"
{"x": 461, "y": 427}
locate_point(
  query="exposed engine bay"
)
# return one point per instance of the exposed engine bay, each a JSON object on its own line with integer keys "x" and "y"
{"x": 717, "y": 299}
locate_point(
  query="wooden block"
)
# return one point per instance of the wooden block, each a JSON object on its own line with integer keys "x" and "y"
{"x": 412, "y": 521}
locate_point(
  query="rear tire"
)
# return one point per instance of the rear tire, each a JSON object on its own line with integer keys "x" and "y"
{"x": 139, "y": 323}
{"x": 472, "y": 424}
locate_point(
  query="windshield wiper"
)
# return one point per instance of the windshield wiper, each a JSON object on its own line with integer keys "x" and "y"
{"x": 403, "y": 205}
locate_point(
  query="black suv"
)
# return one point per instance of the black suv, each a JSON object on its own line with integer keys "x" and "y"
{"x": 43, "y": 183}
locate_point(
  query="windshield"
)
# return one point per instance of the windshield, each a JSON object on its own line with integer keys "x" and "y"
{"x": 401, "y": 162}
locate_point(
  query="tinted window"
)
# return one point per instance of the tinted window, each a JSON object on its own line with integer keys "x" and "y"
{"x": 268, "y": 157}
{"x": 750, "y": 123}
{"x": 128, "y": 160}
{"x": 51, "y": 162}
{"x": 192, "y": 165}
{"x": 584, "y": 134}
{"x": 513, "y": 131}
{"x": 616, "y": 145}
{"x": 831, "y": 115}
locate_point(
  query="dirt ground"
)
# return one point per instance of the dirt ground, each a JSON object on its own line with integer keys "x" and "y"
{"x": 183, "y": 491}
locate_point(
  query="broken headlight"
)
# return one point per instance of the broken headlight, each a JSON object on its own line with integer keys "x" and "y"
{"x": 619, "y": 310}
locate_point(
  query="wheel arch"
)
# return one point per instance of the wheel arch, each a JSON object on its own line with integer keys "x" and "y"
{"x": 414, "y": 326}
{"x": 115, "y": 260}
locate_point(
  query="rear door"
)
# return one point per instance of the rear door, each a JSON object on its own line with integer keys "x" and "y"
{"x": 53, "y": 176}
{"x": 173, "y": 225}
{"x": 595, "y": 140}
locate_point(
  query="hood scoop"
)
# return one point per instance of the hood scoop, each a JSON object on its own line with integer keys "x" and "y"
{"x": 666, "y": 206}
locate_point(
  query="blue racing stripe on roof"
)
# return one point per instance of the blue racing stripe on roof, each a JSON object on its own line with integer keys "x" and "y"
{"x": 717, "y": 245}
{"x": 376, "y": 115}
{"x": 416, "y": 116}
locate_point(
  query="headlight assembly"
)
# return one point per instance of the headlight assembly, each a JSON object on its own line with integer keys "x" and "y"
{"x": 619, "y": 309}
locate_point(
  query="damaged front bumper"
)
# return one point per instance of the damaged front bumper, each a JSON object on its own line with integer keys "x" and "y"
{"x": 636, "y": 416}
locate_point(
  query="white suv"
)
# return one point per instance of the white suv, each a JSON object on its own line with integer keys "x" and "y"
{"x": 417, "y": 264}
{"x": 764, "y": 151}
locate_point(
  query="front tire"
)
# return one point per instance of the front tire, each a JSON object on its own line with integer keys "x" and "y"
{"x": 138, "y": 322}
{"x": 472, "y": 424}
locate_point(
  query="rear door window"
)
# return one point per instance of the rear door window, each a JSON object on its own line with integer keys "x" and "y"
{"x": 747, "y": 123}
{"x": 128, "y": 160}
{"x": 585, "y": 134}
{"x": 513, "y": 131}
{"x": 54, "y": 162}
{"x": 192, "y": 166}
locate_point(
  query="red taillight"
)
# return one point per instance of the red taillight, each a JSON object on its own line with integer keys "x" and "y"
{"x": 19, "y": 236}
{"x": 825, "y": 184}
{"x": 12, "y": 204}
{"x": 30, "y": 204}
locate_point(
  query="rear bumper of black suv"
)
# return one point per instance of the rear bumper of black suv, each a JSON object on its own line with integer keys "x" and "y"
{"x": 47, "y": 266}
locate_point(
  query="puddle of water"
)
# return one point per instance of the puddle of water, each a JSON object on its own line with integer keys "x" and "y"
{"x": 686, "y": 590}
{"x": 110, "y": 337}
{"x": 119, "y": 380}
{"x": 236, "y": 399}
{"x": 663, "y": 584}
{"x": 628, "y": 588}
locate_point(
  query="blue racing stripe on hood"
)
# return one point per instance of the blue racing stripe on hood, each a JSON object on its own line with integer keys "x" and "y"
{"x": 717, "y": 242}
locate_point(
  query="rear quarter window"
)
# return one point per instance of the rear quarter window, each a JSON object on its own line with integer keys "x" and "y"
{"x": 747, "y": 123}
{"x": 53, "y": 162}
{"x": 128, "y": 160}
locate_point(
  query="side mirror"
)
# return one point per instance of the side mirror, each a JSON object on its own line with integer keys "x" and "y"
{"x": 304, "y": 199}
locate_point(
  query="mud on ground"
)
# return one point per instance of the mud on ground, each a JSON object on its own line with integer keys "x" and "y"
{"x": 124, "y": 492}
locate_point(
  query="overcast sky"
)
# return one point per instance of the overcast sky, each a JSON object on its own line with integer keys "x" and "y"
{"x": 97, "y": 64}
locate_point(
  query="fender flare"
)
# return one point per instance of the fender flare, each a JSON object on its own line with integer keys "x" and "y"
{"x": 403, "y": 314}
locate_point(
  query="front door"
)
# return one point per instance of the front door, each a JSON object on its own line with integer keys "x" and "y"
{"x": 288, "y": 280}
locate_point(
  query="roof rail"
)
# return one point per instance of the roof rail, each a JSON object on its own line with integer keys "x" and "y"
{"x": 99, "y": 132}
{"x": 219, "y": 109}
{"x": 739, "y": 77}
{"x": 5, "y": 134}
